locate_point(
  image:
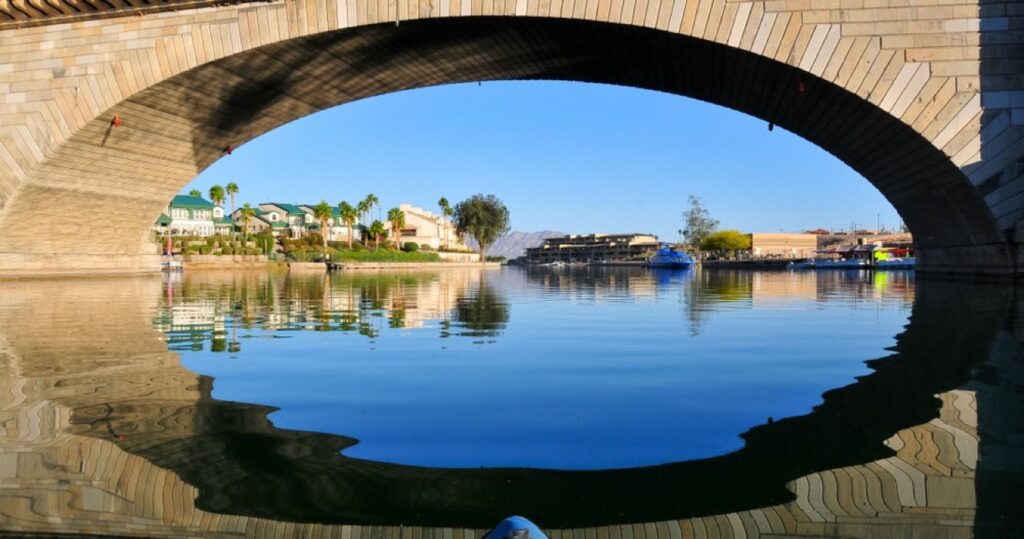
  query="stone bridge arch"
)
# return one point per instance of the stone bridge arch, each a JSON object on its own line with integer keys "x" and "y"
{"x": 925, "y": 98}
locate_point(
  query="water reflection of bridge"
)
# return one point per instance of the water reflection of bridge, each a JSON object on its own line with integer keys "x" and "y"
{"x": 100, "y": 424}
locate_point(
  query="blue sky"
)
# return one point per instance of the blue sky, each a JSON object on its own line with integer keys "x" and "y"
{"x": 564, "y": 156}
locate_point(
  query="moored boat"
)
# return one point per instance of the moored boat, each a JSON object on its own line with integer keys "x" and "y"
{"x": 669, "y": 258}
{"x": 800, "y": 264}
{"x": 824, "y": 263}
{"x": 850, "y": 263}
{"x": 897, "y": 263}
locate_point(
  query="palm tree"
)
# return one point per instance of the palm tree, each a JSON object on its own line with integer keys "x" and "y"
{"x": 248, "y": 212}
{"x": 397, "y": 218}
{"x": 231, "y": 189}
{"x": 323, "y": 213}
{"x": 377, "y": 232}
{"x": 363, "y": 208}
{"x": 446, "y": 212}
{"x": 371, "y": 201}
{"x": 217, "y": 195}
{"x": 348, "y": 216}
{"x": 195, "y": 193}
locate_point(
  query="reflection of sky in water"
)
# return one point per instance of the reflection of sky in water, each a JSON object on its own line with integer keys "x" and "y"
{"x": 590, "y": 370}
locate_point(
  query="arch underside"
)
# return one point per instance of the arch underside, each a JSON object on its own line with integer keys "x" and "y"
{"x": 176, "y": 128}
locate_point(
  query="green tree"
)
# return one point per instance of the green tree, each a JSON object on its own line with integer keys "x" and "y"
{"x": 217, "y": 195}
{"x": 397, "y": 218}
{"x": 697, "y": 223}
{"x": 378, "y": 232}
{"x": 195, "y": 193}
{"x": 446, "y": 214}
{"x": 363, "y": 207}
{"x": 247, "y": 214}
{"x": 725, "y": 240}
{"x": 348, "y": 216}
{"x": 231, "y": 189}
{"x": 372, "y": 201}
{"x": 323, "y": 213}
{"x": 484, "y": 217}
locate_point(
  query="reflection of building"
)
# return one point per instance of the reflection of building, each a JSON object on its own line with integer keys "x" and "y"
{"x": 593, "y": 248}
{"x": 779, "y": 245}
{"x": 99, "y": 434}
{"x": 205, "y": 302}
{"x": 783, "y": 286}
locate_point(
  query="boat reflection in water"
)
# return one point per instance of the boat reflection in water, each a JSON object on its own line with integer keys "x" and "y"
{"x": 104, "y": 431}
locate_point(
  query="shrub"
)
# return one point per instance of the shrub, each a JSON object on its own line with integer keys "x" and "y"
{"x": 426, "y": 247}
{"x": 205, "y": 249}
{"x": 211, "y": 241}
{"x": 227, "y": 250}
{"x": 411, "y": 247}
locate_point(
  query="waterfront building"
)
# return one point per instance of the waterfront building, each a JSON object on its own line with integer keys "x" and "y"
{"x": 593, "y": 248}
{"x": 336, "y": 229}
{"x": 296, "y": 220}
{"x": 427, "y": 228}
{"x": 222, "y": 224}
{"x": 188, "y": 216}
{"x": 260, "y": 222}
{"x": 781, "y": 245}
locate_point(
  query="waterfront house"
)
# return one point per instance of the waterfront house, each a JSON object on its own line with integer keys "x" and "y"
{"x": 222, "y": 224}
{"x": 781, "y": 245}
{"x": 593, "y": 248}
{"x": 427, "y": 228}
{"x": 295, "y": 219}
{"x": 260, "y": 222}
{"x": 336, "y": 230}
{"x": 188, "y": 216}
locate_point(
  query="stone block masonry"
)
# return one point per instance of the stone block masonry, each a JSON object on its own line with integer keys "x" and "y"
{"x": 923, "y": 98}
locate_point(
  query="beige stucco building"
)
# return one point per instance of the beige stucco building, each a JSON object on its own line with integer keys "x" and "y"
{"x": 427, "y": 228}
{"x": 781, "y": 245}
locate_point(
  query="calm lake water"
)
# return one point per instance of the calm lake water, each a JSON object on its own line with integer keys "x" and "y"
{"x": 571, "y": 369}
{"x": 212, "y": 403}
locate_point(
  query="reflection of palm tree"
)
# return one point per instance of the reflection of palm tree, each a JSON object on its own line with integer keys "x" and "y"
{"x": 481, "y": 314}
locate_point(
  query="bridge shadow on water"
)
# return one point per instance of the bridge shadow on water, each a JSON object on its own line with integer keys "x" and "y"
{"x": 962, "y": 337}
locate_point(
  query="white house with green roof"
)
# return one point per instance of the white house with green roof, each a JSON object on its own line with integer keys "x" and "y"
{"x": 189, "y": 216}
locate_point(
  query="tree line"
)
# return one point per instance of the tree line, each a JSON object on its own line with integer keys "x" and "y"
{"x": 700, "y": 231}
{"x": 484, "y": 217}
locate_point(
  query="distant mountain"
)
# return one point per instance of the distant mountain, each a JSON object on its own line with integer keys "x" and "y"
{"x": 514, "y": 244}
